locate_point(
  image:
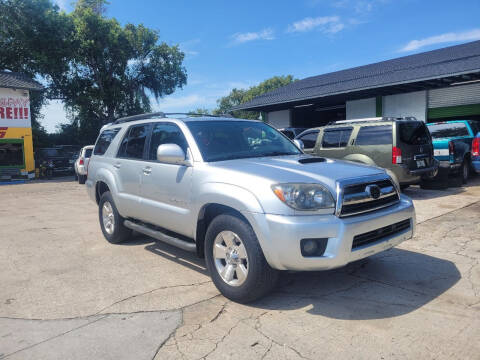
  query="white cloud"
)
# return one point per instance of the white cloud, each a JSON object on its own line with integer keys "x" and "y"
{"x": 265, "y": 34}
{"x": 53, "y": 114}
{"x": 62, "y": 4}
{"x": 470, "y": 35}
{"x": 326, "y": 24}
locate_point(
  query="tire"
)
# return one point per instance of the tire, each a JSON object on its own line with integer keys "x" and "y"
{"x": 260, "y": 278}
{"x": 118, "y": 233}
{"x": 82, "y": 179}
{"x": 465, "y": 171}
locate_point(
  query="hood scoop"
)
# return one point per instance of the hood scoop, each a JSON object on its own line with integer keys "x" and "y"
{"x": 311, "y": 160}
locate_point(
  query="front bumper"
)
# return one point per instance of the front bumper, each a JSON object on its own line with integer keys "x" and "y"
{"x": 280, "y": 236}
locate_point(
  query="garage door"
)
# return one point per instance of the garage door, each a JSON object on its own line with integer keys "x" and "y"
{"x": 454, "y": 101}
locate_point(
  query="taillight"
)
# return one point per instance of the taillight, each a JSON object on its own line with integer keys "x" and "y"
{"x": 476, "y": 147}
{"x": 396, "y": 155}
{"x": 451, "y": 147}
{"x": 80, "y": 162}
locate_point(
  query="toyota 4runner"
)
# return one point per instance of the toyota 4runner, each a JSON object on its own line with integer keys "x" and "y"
{"x": 242, "y": 195}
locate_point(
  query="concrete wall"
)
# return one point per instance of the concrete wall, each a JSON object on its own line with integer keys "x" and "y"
{"x": 409, "y": 104}
{"x": 279, "y": 119}
{"x": 358, "y": 109}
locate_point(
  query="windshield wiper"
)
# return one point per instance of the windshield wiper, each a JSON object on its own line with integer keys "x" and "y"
{"x": 276, "y": 153}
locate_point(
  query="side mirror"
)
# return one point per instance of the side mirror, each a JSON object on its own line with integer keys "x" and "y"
{"x": 172, "y": 154}
{"x": 299, "y": 144}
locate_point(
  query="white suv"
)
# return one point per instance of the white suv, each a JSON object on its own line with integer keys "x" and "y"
{"x": 81, "y": 164}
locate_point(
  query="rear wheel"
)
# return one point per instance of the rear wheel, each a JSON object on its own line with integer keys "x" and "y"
{"x": 111, "y": 222}
{"x": 465, "y": 171}
{"x": 235, "y": 260}
{"x": 82, "y": 179}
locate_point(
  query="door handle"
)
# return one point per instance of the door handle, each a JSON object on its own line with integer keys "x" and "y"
{"x": 117, "y": 165}
{"x": 147, "y": 170}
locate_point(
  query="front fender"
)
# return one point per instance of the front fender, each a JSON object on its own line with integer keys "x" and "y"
{"x": 229, "y": 195}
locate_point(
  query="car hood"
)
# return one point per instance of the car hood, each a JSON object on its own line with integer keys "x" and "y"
{"x": 258, "y": 174}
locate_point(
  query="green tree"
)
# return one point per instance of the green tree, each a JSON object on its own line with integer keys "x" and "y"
{"x": 99, "y": 68}
{"x": 240, "y": 96}
{"x": 35, "y": 40}
{"x": 116, "y": 70}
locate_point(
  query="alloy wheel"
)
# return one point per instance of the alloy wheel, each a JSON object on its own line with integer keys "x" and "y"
{"x": 230, "y": 257}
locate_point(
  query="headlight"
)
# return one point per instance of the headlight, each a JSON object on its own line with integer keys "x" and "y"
{"x": 304, "y": 196}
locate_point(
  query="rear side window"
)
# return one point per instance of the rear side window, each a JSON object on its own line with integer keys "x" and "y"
{"x": 166, "y": 134}
{"x": 335, "y": 138}
{"x": 446, "y": 130}
{"x": 309, "y": 139}
{"x": 374, "y": 135}
{"x": 133, "y": 143}
{"x": 88, "y": 153}
{"x": 104, "y": 141}
{"x": 413, "y": 133}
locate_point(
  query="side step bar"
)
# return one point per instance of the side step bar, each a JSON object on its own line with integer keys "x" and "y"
{"x": 170, "y": 240}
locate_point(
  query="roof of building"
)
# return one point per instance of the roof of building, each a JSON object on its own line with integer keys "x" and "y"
{"x": 18, "y": 81}
{"x": 449, "y": 61}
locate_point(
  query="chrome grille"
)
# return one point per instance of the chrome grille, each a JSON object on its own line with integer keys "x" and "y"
{"x": 356, "y": 197}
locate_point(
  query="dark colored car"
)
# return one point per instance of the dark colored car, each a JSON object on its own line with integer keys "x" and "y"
{"x": 61, "y": 157}
{"x": 291, "y": 132}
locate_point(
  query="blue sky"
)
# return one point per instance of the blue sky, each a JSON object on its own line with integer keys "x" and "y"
{"x": 240, "y": 43}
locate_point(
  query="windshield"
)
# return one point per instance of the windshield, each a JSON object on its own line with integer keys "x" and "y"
{"x": 227, "y": 140}
{"x": 50, "y": 152}
{"x": 414, "y": 133}
{"x": 447, "y": 130}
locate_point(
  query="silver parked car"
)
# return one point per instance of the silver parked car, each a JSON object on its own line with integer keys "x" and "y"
{"x": 81, "y": 164}
{"x": 244, "y": 196}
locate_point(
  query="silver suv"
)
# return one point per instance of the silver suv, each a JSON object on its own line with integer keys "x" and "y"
{"x": 244, "y": 196}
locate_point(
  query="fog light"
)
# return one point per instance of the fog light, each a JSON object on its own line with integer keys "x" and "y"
{"x": 313, "y": 247}
{"x": 309, "y": 246}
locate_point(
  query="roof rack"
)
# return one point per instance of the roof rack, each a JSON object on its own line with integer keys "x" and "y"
{"x": 386, "y": 118}
{"x": 161, "y": 114}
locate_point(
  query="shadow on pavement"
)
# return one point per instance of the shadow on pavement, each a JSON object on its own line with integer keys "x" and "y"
{"x": 176, "y": 255}
{"x": 387, "y": 285}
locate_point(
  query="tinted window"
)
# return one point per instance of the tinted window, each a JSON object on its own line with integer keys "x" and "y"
{"x": 309, "y": 139}
{"x": 88, "y": 153}
{"x": 446, "y": 130}
{"x": 288, "y": 133}
{"x": 104, "y": 141}
{"x": 134, "y": 142}
{"x": 335, "y": 138}
{"x": 166, "y": 134}
{"x": 413, "y": 133}
{"x": 227, "y": 140}
{"x": 374, "y": 135}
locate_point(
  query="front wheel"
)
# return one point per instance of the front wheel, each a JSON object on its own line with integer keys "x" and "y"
{"x": 110, "y": 220}
{"x": 235, "y": 260}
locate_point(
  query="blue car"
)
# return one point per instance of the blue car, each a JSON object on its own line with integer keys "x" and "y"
{"x": 452, "y": 146}
{"x": 476, "y": 153}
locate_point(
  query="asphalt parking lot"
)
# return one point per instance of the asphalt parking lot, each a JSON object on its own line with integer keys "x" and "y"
{"x": 66, "y": 293}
